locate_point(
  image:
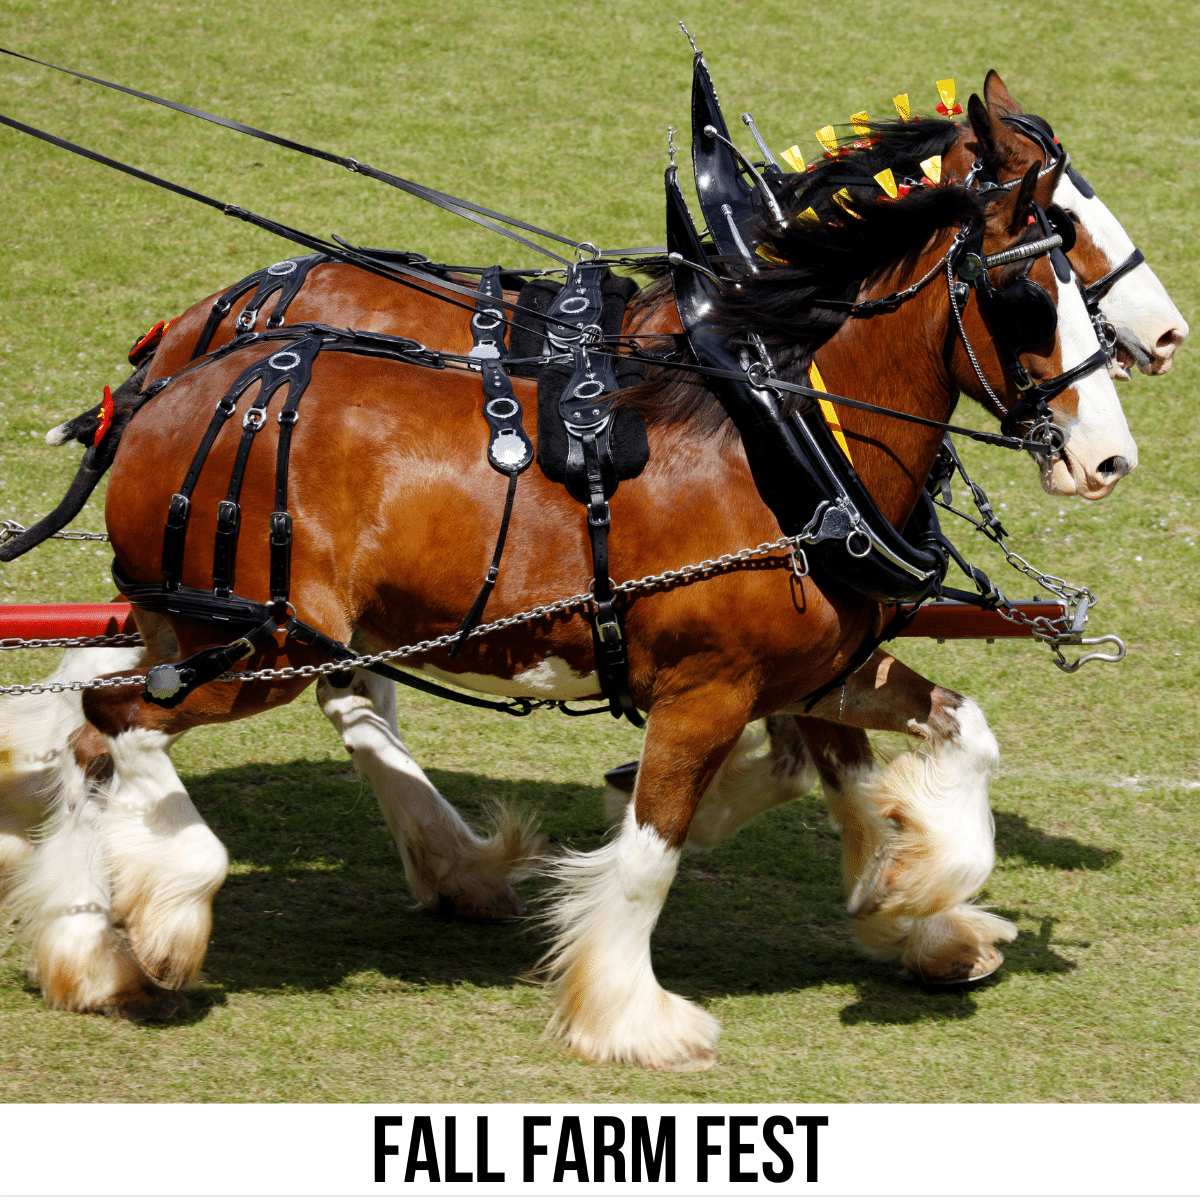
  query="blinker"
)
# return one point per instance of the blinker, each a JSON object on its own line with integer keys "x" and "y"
{"x": 1026, "y": 314}
{"x": 1062, "y": 225}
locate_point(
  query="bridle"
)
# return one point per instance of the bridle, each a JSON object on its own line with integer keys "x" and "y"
{"x": 1022, "y": 315}
{"x": 1038, "y": 130}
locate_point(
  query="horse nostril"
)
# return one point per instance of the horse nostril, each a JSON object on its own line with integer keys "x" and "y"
{"x": 1115, "y": 467}
{"x": 1171, "y": 338}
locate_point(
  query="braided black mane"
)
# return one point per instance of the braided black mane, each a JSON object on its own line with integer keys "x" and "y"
{"x": 815, "y": 261}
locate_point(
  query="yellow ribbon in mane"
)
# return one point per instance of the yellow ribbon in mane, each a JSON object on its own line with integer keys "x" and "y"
{"x": 829, "y": 412}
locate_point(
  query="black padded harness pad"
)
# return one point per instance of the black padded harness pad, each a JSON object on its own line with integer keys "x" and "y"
{"x": 626, "y": 442}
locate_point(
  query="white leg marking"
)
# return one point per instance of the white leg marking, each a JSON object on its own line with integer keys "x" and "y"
{"x": 166, "y": 863}
{"x": 442, "y": 857}
{"x": 610, "y": 1006}
{"x": 939, "y": 801}
{"x": 62, "y": 894}
{"x": 37, "y": 767}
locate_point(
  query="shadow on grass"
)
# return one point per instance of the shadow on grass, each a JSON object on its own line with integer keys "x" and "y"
{"x": 1016, "y": 838}
{"x": 317, "y": 900}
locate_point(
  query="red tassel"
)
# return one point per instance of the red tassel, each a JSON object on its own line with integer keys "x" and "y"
{"x": 106, "y": 416}
{"x": 950, "y": 112}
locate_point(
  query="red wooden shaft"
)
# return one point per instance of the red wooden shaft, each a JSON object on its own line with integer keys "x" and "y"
{"x": 937, "y": 619}
{"x": 951, "y": 619}
{"x": 64, "y": 620}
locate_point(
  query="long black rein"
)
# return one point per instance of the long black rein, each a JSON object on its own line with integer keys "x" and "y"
{"x": 411, "y": 277}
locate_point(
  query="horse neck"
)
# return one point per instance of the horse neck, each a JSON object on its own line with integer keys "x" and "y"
{"x": 894, "y": 360}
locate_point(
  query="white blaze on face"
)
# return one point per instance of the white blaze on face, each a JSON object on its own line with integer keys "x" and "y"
{"x": 1099, "y": 448}
{"x": 1137, "y": 304}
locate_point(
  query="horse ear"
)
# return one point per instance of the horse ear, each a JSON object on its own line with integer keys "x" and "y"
{"x": 1023, "y": 201}
{"x": 986, "y": 130}
{"x": 998, "y": 97}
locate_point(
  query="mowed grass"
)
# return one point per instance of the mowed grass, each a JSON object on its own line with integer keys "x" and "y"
{"x": 323, "y": 982}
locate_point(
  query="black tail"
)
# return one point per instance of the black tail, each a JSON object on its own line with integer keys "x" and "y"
{"x": 127, "y": 399}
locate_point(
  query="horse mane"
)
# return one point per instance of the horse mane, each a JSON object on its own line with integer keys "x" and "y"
{"x": 809, "y": 262}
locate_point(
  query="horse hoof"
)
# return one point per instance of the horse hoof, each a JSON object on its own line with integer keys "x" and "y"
{"x": 987, "y": 961}
{"x": 868, "y": 894}
{"x": 149, "y": 1003}
{"x": 493, "y": 907}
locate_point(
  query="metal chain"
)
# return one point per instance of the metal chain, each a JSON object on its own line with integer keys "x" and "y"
{"x": 1070, "y": 594}
{"x": 11, "y": 529}
{"x": 967, "y": 344}
{"x": 700, "y": 569}
{"x": 110, "y": 639}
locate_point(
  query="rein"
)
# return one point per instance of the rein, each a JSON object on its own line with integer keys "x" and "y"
{"x": 453, "y": 204}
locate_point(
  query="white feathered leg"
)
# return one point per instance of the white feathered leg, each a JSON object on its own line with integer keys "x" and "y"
{"x": 445, "y": 862}
{"x": 38, "y": 771}
{"x": 917, "y": 840}
{"x": 610, "y": 1006}
{"x": 166, "y": 863}
{"x": 62, "y": 893}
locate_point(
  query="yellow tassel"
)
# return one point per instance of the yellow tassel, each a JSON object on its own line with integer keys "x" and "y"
{"x": 828, "y": 138}
{"x": 902, "y": 106}
{"x": 947, "y": 107}
{"x": 829, "y": 412}
{"x": 844, "y": 200}
{"x": 794, "y": 159}
{"x": 809, "y": 217}
{"x": 860, "y": 123}
{"x": 764, "y": 252}
{"x": 887, "y": 181}
{"x": 933, "y": 168}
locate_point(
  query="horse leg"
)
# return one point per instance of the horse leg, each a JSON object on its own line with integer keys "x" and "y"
{"x": 769, "y": 766}
{"x": 139, "y": 850}
{"x": 610, "y": 1006}
{"x": 445, "y": 862}
{"x": 58, "y": 767}
{"x": 45, "y": 760}
{"x": 918, "y": 834}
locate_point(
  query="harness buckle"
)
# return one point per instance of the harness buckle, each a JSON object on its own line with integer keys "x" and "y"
{"x": 599, "y": 514}
{"x": 608, "y": 632}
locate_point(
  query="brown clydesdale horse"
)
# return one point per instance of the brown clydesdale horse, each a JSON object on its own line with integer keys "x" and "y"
{"x": 395, "y": 516}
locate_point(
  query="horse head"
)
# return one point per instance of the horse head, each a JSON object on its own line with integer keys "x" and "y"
{"x": 972, "y": 282}
{"x": 1029, "y": 338}
{"x": 1144, "y": 326}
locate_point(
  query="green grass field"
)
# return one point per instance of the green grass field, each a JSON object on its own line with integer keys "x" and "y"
{"x": 323, "y": 983}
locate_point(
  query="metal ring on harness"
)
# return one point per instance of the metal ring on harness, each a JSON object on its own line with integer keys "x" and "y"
{"x": 594, "y": 390}
{"x": 587, "y": 252}
{"x": 850, "y": 543}
{"x": 574, "y": 304}
{"x": 502, "y": 408}
{"x": 286, "y": 267}
{"x": 757, "y": 374}
{"x": 478, "y": 319}
{"x": 284, "y": 360}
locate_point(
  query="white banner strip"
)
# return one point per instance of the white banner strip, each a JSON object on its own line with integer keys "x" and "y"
{"x": 614, "y": 1150}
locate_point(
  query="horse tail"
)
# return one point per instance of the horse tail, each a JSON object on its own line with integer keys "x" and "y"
{"x": 101, "y": 444}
